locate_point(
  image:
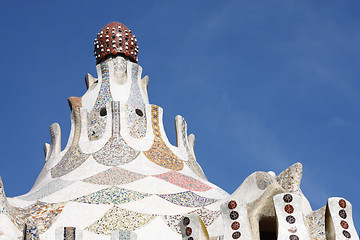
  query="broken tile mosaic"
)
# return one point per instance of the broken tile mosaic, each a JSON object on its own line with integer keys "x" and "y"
{"x": 191, "y": 162}
{"x": 116, "y": 151}
{"x": 188, "y": 199}
{"x": 117, "y": 218}
{"x": 207, "y": 216}
{"x": 263, "y": 180}
{"x": 135, "y": 107}
{"x": 159, "y": 153}
{"x": 290, "y": 178}
{"x": 112, "y": 195}
{"x": 97, "y": 123}
{"x": 183, "y": 181}
{"x": 48, "y": 189}
{"x": 73, "y": 158}
{"x": 114, "y": 176}
{"x": 41, "y": 214}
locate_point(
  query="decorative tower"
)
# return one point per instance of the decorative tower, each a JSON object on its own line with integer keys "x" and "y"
{"x": 120, "y": 178}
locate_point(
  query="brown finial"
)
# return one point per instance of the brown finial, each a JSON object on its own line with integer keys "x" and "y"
{"x": 115, "y": 39}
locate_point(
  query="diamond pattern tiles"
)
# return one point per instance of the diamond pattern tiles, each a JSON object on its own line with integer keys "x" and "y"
{"x": 114, "y": 176}
{"x": 112, "y": 195}
{"x": 117, "y": 218}
{"x": 188, "y": 199}
{"x": 183, "y": 181}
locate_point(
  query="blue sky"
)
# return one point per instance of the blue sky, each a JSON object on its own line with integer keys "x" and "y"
{"x": 262, "y": 84}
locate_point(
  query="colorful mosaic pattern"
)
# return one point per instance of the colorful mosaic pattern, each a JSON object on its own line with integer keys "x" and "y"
{"x": 97, "y": 123}
{"x": 183, "y": 181}
{"x": 191, "y": 162}
{"x": 316, "y": 224}
{"x": 69, "y": 233}
{"x": 117, "y": 218}
{"x": 30, "y": 232}
{"x": 121, "y": 235}
{"x": 187, "y": 199}
{"x": 135, "y": 107}
{"x": 114, "y": 176}
{"x": 263, "y": 180}
{"x": 290, "y": 178}
{"x": 48, "y": 189}
{"x": 112, "y": 195}
{"x": 159, "y": 153}
{"x": 116, "y": 151}
{"x": 43, "y": 215}
{"x": 73, "y": 158}
{"x": 207, "y": 216}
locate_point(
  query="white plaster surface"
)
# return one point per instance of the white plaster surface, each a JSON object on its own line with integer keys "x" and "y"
{"x": 285, "y": 228}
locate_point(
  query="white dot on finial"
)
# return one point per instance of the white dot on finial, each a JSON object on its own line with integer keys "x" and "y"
{"x": 114, "y": 46}
{"x": 271, "y": 173}
{"x": 113, "y": 32}
{"x": 126, "y": 47}
{"x": 108, "y": 50}
{"x": 107, "y": 40}
{"x": 107, "y": 36}
{"x": 107, "y": 27}
{"x": 120, "y": 48}
{"x": 126, "y": 43}
{"x": 102, "y": 49}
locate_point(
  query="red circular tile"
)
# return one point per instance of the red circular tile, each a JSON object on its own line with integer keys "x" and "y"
{"x": 235, "y": 225}
{"x": 289, "y": 208}
{"x": 342, "y": 203}
{"x": 344, "y": 224}
{"x": 188, "y": 231}
{"x": 232, "y": 204}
